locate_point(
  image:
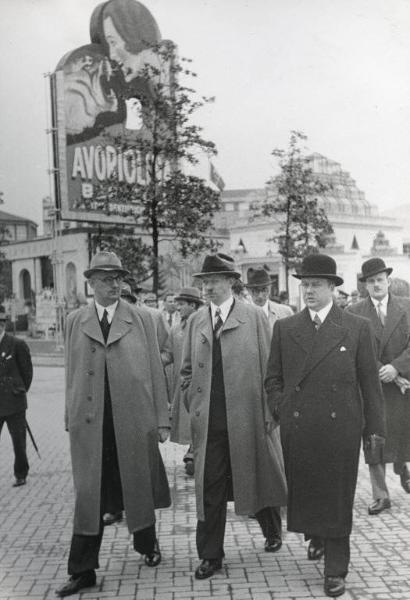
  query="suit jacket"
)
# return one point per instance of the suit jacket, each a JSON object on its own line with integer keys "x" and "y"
{"x": 16, "y": 373}
{"x": 393, "y": 347}
{"x": 277, "y": 311}
{"x": 324, "y": 387}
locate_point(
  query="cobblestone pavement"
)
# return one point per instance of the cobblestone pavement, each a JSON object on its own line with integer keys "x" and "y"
{"x": 35, "y": 530}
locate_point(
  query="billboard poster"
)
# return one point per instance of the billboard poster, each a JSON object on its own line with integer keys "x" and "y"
{"x": 101, "y": 132}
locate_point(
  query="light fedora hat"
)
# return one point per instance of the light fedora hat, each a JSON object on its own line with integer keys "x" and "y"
{"x": 218, "y": 264}
{"x": 320, "y": 266}
{"x": 190, "y": 294}
{"x": 105, "y": 261}
{"x": 373, "y": 266}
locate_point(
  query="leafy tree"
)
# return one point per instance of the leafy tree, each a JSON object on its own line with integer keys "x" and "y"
{"x": 168, "y": 205}
{"x": 292, "y": 200}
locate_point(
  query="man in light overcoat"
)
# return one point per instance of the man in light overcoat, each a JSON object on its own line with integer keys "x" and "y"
{"x": 116, "y": 413}
{"x": 323, "y": 387}
{"x": 390, "y": 319}
{"x": 223, "y": 366}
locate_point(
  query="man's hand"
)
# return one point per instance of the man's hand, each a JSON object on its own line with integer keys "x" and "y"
{"x": 388, "y": 373}
{"x": 163, "y": 434}
{"x": 402, "y": 383}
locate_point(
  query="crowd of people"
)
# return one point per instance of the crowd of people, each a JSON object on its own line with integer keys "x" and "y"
{"x": 272, "y": 405}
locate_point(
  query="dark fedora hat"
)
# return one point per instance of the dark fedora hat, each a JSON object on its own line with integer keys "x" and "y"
{"x": 218, "y": 264}
{"x": 105, "y": 261}
{"x": 190, "y": 294}
{"x": 3, "y": 315}
{"x": 372, "y": 267}
{"x": 321, "y": 266}
{"x": 257, "y": 278}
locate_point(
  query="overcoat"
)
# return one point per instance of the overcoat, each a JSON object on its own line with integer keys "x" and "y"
{"x": 258, "y": 480}
{"x": 324, "y": 388}
{"x": 277, "y": 311}
{"x": 139, "y": 407}
{"x": 180, "y": 421}
{"x": 393, "y": 347}
{"x": 16, "y": 373}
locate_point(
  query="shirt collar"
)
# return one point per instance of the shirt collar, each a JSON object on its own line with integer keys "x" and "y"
{"x": 382, "y": 302}
{"x": 265, "y": 308}
{"x": 225, "y": 308}
{"x": 322, "y": 313}
{"x": 110, "y": 310}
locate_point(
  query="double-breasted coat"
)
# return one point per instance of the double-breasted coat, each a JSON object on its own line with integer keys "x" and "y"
{"x": 323, "y": 386}
{"x": 16, "y": 373}
{"x": 393, "y": 347}
{"x": 139, "y": 406}
{"x": 258, "y": 481}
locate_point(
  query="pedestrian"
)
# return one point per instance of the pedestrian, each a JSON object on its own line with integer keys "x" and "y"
{"x": 187, "y": 301}
{"x": 169, "y": 310}
{"x": 16, "y": 373}
{"x": 323, "y": 387}
{"x": 259, "y": 284}
{"x": 116, "y": 412}
{"x": 223, "y": 366}
{"x": 390, "y": 319}
{"x": 342, "y": 299}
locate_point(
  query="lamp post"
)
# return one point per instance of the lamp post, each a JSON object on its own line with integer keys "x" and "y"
{"x": 57, "y": 262}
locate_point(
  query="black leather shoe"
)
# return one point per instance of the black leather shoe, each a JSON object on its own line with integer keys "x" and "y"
{"x": 77, "y": 583}
{"x": 111, "y": 518}
{"x": 334, "y": 586}
{"x": 378, "y": 506}
{"x": 273, "y": 544}
{"x": 405, "y": 481}
{"x": 189, "y": 467}
{"x": 316, "y": 549}
{"x": 208, "y": 567}
{"x": 19, "y": 481}
{"x": 153, "y": 558}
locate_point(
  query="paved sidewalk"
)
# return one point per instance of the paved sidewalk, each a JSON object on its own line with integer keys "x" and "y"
{"x": 35, "y": 530}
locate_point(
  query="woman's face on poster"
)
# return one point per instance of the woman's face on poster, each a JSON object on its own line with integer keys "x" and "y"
{"x": 128, "y": 62}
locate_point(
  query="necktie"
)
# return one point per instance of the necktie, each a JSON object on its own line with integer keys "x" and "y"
{"x": 218, "y": 323}
{"x": 170, "y": 319}
{"x": 380, "y": 313}
{"x": 105, "y": 326}
{"x": 316, "y": 321}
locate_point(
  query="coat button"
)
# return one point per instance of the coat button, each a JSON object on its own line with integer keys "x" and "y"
{"x": 297, "y": 388}
{"x": 203, "y": 340}
{"x": 89, "y": 398}
{"x": 333, "y": 415}
{"x": 92, "y": 348}
{"x": 296, "y": 414}
{"x": 201, "y": 365}
{"x": 90, "y": 372}
{"x": 198, "y": 389}
{"x": 197, "y": 413}
{"x": 88, "y": 419}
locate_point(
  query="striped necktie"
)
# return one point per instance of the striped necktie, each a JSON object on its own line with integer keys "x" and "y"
{"x": 105, "y": 325}
{"x": 380, "y": 313}
{"x": 218, "y": 323}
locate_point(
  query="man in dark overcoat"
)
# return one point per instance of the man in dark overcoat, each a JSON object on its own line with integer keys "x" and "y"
{"x": 223, "y": 367}
{"x": 322, "y": 385}
{"x": 16, "y": 373}
{"x": 116, "y": 412}
{"x": 390, "y": 319}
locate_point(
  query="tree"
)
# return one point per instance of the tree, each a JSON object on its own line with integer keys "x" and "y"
{"x": 5, "y": 267}
{"x": 293, "y": 200}
{"x": 168, "y": 204}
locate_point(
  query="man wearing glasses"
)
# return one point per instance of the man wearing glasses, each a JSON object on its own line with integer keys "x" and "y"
{"x": 116, "y": 412}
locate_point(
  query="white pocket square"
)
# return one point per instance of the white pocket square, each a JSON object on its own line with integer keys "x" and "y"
{"x": 342, "y": 349}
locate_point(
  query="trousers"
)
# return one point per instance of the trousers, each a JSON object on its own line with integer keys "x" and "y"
{"x": 378, "y": 478}
{"x": 16, "y": 424}
{"x": 217, "y": 490}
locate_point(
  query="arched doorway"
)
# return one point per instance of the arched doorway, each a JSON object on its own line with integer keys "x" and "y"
{"x": 71, "y": 285}
{"x": 25, "y": 285}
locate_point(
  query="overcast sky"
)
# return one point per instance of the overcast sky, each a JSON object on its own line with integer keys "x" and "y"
{"x": 339, "y": 70}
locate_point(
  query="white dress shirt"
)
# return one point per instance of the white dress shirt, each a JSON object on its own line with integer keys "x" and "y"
{"x": 322, "y": 313}
{"x": 265, "y": 308}
{"x": 383, "y": 307}
{"x": 225, "y": 307}
{"x": 110, "y": 311}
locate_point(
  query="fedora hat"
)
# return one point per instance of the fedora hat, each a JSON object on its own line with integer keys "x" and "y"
{"x": 3, "y": 316}
{"x": 218, "y": 264}
{"x": 257, "y": 278}
{"x": 105, "y": 261}
{"x": 321, "y": 266}
{"x": 372, "y": 267}
{"x": 190, "y": 294}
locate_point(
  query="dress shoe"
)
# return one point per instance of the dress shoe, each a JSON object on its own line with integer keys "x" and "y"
{"x": 208, "y": 567}
{"x": 111, "y": 518}
{"x": 334, "y": 586}
{"x": 153, "y": 558}
{"x": 19, "y": 481}
{"x": 405, "y": 481}
{"x": 189, "y": 467}
{"x": 76, "y": 583}
{"x": 378, "y": 506}
{"x": 316, "y": 549}
{"x": 273, "y": 544}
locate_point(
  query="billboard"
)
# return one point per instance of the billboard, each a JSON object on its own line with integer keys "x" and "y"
{"x": 101, "y": 127}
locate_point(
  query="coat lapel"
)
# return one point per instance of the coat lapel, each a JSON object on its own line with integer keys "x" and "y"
{"x": 121, "y": 323}
{"x": 303, "y": 331}
{"x": 394, "y": 314}
{"x": 235, "y": 318}
{"x": 205, "y": 324}
{"x": 329, "y": 335}
{"x": 371, "y": 313}
{"x": 91, "y": 325}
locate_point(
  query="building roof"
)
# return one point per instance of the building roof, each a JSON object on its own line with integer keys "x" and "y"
{"x": 8, "y": 217}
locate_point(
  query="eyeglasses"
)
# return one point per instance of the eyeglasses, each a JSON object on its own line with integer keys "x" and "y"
{"x": 110, "y": 279}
